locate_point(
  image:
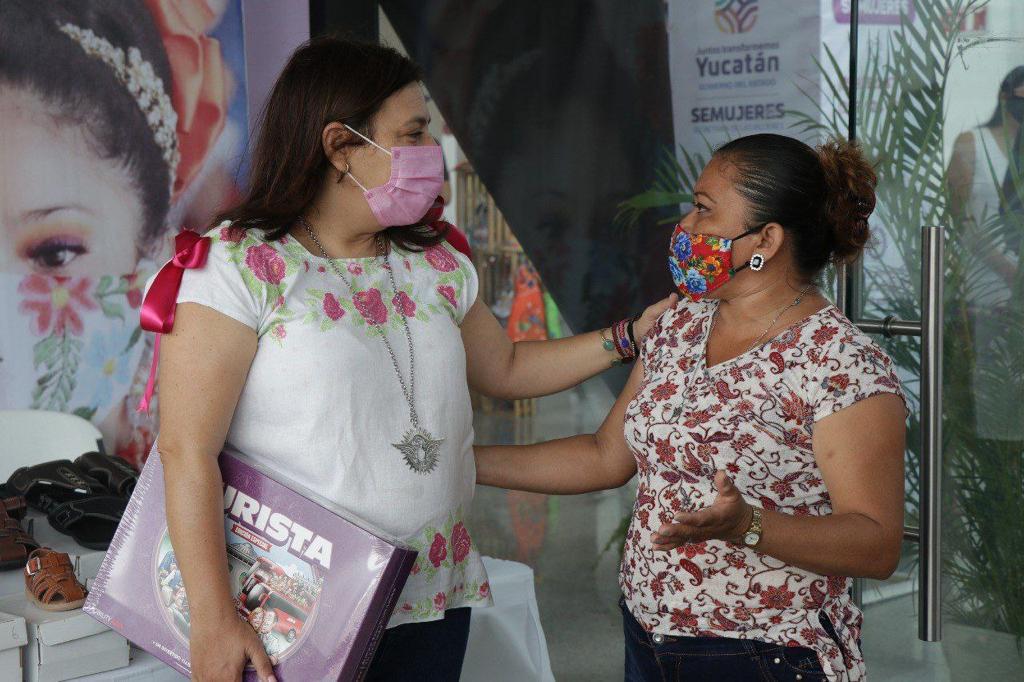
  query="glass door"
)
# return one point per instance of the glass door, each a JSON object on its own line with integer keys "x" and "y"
{"x": 939, "y": 102}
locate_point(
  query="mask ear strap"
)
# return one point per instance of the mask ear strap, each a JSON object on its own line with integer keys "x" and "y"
{"x": 368, "y": 139}
{"x": 756, "y": 228}
{"x": 349, "y": 175}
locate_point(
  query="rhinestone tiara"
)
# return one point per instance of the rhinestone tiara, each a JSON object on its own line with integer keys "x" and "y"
{"x": 137, "y": 75}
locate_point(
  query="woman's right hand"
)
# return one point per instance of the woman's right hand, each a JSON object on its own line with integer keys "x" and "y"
{"x": 221, "y": 649}
{"x": 651, "y": 315}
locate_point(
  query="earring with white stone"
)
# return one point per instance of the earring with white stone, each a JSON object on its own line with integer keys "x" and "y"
{"x": 757, "y": 261}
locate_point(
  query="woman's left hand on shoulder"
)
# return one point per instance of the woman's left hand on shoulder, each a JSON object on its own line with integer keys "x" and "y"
{"x": 726, "y": 519}
{"x": 651, "y": 315}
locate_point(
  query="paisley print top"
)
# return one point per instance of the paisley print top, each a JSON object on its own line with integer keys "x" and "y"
{"x": 753, "y": 416}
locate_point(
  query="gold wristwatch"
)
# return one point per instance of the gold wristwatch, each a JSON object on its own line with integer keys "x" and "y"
{"x": 752, "y": 535}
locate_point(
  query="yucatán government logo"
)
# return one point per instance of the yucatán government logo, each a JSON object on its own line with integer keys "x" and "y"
{"x": 735, "y": 16}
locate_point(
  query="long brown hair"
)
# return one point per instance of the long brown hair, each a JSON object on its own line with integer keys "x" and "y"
{"x": 327, "y": 79}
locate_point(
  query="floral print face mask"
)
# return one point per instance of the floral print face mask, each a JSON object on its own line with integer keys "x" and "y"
{"x": 700, "y": 263}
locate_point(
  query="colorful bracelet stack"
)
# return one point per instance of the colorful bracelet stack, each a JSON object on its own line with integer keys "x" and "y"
{"x": 622, "y": 341}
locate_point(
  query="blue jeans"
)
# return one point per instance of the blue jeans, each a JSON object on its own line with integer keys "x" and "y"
{"x": 720, "y": 659}
{"x": 427, "y": 652}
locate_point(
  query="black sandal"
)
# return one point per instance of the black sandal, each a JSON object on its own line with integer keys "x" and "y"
{"x": 115, "y": 473}
{"x": 92, "y": 521}
{"x": 45, "y": 486}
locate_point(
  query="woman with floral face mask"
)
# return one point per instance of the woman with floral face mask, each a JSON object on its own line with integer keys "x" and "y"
{"x": 327, "y": 329}
{"x": 767, "y": 432}
{"x": 97, "y": 145}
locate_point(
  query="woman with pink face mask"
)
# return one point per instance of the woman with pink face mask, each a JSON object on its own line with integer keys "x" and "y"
{"x": 326, "y": 328}
{"x": 766, "y": 432}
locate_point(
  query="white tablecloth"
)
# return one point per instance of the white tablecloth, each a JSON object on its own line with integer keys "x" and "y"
{"x": 506, "y": 642}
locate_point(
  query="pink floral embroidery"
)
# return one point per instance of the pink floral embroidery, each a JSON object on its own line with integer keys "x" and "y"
{"x": 371, "y": 306}
{"x": 441, "y": 259}
{"x": 485, "y": 589}
{"x": 232, "y": 233}
{"x": 332, "y": 308}
{"x": 440, "y": 599}
{"x": 280, "y": 332}
{"x": 449, "y": 294}
{"x": 265, "y": 263}
{"x": 460, "y": 542}
{"x": 355, "y": 268}
{"x": 403, "y": 304}
{"x": 438, "y": 550}
{"x": 56, "y": 303}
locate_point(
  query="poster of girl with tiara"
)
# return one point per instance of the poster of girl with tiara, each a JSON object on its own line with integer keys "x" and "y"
{"x": 122, "y": 123}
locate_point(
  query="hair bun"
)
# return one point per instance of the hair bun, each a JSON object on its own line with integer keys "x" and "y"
{"x": 850, "y": 183}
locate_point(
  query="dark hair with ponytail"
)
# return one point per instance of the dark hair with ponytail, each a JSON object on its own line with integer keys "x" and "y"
{"x": 327, "y": 79}
{"x": 822, "y": 197}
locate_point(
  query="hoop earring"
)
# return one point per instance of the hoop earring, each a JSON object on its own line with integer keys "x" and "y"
{"x": 342, "y": 174}
{"x": 757, "y": 261}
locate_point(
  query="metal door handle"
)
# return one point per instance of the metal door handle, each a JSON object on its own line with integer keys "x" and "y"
{"x": 930, "y": 547}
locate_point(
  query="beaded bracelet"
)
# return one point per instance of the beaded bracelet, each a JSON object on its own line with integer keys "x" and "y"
{"x": 632, "y": 339}
{"x": 622, "y": 341}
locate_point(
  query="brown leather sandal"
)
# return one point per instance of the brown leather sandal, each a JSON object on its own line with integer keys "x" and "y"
{"x": 15, "y": 506}
{"x": 50, "y": 581}
{"x": 15, "y": 542}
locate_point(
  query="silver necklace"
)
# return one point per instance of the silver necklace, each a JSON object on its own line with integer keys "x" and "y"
{"x": 419, "y": 448}
{"x": 796, "y": 302}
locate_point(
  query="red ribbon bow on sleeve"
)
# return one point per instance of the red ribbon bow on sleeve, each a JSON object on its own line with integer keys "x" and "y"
{"x": 157, "y": 312}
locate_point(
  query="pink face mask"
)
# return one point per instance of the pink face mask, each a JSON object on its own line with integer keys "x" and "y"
{"x": 417, "y": 175}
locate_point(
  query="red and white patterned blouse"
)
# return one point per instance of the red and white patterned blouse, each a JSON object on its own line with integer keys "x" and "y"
{"x": 753, "y": 416}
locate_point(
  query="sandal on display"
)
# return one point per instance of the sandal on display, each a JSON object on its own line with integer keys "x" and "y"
{"x": 15, "y": 506}
{"x": 15, "y": 542}
{"x": 45, "y": 486}
{"x": 91, "y": 521}
{"x": 50, "y": 581}
{"x": 115, "y": 473}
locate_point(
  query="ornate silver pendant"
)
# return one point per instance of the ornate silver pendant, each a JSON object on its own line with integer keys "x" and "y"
{"x": 420, "y": 449}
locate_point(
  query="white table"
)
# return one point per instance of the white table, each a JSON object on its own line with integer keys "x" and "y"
{"x": 506, "y": 642}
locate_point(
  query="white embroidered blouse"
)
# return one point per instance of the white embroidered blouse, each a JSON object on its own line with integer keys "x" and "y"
{"x": 322, "y": 403}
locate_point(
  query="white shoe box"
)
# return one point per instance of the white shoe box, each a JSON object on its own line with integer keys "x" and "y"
{"x": 13, "y": 636}
{"x": 63, "y": 645}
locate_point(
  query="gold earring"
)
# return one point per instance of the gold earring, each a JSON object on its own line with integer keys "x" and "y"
{"x": 342, "y": 174}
